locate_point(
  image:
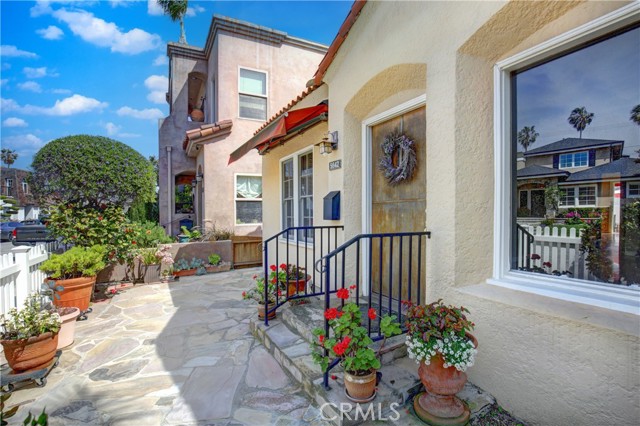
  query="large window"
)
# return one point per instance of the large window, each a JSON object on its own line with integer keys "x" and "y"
{"x": 297, "y": 185}
{"x": 184, "y": 194}
{"x": 252, "y": 88}
{"x": 248, "y": 199}
{"x": 576, "y": 159}
{"x": 575, "y": 89}
{"x": 633, "y": 190}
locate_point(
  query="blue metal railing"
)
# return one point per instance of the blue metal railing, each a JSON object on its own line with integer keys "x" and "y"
{"x": 300, "y": 246}
{"x": 393, "y": 273}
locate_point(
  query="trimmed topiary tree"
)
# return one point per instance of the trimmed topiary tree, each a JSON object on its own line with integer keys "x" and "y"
{"x": 90, "y": 171}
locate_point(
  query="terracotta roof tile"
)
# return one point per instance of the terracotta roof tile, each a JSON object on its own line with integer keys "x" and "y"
{"x": 206, "y": 130}
{"x": 290, "y": 105}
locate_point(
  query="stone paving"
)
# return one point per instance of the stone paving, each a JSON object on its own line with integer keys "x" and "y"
{"x": 169, "y": 354}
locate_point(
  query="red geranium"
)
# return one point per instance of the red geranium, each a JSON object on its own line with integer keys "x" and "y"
{"x": 372, "y": 313}
{"x": 331, "y": 313}
{"x": 273, "y": 268}
{"x": 343, "y": 293}
{"x": 283, "y": 266}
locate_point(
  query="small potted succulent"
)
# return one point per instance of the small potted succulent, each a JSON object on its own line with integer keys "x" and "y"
{"x": 183, "y": 267}
{"x": 349, "y": 342}
{"x": 216, "y": 264}
{"x": 30, "y": 335}
{"x": 274, "y": 290}
{"x": 438, "y": 339}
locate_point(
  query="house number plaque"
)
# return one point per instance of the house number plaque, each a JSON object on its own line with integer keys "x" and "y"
{"x": 335, "y": 165}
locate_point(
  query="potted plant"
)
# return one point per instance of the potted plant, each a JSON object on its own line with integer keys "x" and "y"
{"x": 68, "y": 315}
{"x": 296, "y": 279}
{"x": 187, "y": 235}
{"x": 75, "y": 270}
{"x": 183, "y": 268}
{"x": 438, "y": 339}
{"x": 30, "y": 335}
{"x": 350, "y": 343}
{"x": 274, "y": 291}
{"x": 216, "y": 264}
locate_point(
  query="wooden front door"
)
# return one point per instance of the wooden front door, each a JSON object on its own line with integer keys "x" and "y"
{"x": 398, "y": 208}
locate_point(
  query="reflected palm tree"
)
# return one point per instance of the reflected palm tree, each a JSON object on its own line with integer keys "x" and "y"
{"x": 176, "y": 9}
{"x": 580, "y": 118}
{"x": 527, "y": 136}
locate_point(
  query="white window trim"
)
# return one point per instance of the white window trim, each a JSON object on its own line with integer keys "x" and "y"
{"x": 266, "y": 97}
{"x": 576, "y": 195}
{"x": 573, "y": 160}
{"x": 635, "y": 184}
{"x": 607, "y": 296}
{"x": 235, "y": 199}
{"x": 295, "y": 157}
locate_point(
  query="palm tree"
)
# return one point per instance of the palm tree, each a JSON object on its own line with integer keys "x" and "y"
{"x": 176, "y": 9}
{"x": 527, "y": 136}
{"x": 8, "y": 156}
{"x": 580, "y": 118}
{"x": 635, "y": 114}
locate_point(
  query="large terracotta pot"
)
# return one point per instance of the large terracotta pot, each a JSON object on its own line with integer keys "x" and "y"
{"x": 29, "y": 354}
{"x": 185, "y": 272}
{"x": 438, "y": 405}
{"x": 67, "y": 331}
{"x": 297, "y": 286}
{"x": 77, "y": 292}
{"x": 272, "y": 315}
{"x": 197, "y": 115}
{"x": 361, "y": 388}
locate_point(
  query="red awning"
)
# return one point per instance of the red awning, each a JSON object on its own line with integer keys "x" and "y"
{"x": 278, "y": 129}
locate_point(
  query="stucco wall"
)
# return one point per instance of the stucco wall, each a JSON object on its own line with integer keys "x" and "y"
{"x": 567, "y": 365}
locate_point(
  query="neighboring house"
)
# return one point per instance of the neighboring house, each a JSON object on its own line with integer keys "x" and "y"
{"x": 14, "y": 184}
{"x": 554, "y": 163}
{"x": 553, "y": 350}
{"x": 218, "y": 97}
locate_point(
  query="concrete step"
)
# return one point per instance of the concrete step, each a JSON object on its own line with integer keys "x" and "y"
{"x": 287, "y": 339}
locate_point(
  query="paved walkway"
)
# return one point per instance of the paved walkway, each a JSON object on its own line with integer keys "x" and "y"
{"x": 168, "y": 354}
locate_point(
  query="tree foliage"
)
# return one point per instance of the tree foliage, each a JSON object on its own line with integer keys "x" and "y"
{"x": 580, "y": 118}
{"x": 176, "y": 9}
{"x": 527, "y": 136}
{"x": 8, "y": 156}
{"x": 90, "y": 171}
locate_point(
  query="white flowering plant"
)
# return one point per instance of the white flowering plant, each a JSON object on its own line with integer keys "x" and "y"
{"x": 33, "y": 319}
{"x": 438, "y": 329}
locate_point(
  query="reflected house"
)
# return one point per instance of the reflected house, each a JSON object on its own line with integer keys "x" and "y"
{"x": 14, "y": 184}
{"x": 554, "y": 349}
{"x": 218, "y": 96}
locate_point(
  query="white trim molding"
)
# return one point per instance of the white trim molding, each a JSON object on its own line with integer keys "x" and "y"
{"x": 608, "y": 296}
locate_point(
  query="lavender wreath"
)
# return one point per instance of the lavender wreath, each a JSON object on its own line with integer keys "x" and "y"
{"x": 406, "y": 160}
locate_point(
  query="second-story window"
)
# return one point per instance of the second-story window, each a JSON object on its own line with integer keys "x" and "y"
{"x": 252, "y": 89}
{"x": 8, "y": 183}
{"x": 25, "y": 186}
{"x": 576, "y": 159}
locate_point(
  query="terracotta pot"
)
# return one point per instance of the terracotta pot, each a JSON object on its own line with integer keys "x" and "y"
{"x": 185, "y": 273}
{"x": 218, "y": 268}
{"x": 360, "y": 388}
{"x": 29, "y": 354}
{"x": 197, "y": 115}
{"x": 67, "y": 331}
{"x": 77, "y": 292}
{"x": 272, "y": 315}
{"x": 296, "y": 286}
{"x": 438, "y": 405}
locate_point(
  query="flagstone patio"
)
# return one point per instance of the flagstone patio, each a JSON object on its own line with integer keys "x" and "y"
{"x": 179, "y": 353}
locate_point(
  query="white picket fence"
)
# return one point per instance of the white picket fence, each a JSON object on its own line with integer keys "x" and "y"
{"x": 561, "y": 248}
{"x": 20, "y": 274}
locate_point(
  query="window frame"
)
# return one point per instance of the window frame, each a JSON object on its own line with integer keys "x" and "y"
{"x": 265, "y": 96}
{"x": 576, "y": 196}
{"x": 236, "y": 199}
{"x": 637, "y": 184}
{"x": 603, "y": 295}
{"x": 573, "y": 160}
{"x": 295, "y": 158}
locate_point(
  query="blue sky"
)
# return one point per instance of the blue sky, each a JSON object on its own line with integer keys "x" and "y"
{"x": 100, "y": 67}
{"x": 604, "y": 78}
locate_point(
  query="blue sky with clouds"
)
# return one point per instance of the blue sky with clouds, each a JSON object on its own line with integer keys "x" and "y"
{"x": 604, "y": 78}
{"x": 100, "y": 67}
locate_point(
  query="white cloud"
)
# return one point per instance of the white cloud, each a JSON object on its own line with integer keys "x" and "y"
{"x": 129, "y": 135}
{"x": 76, "y": 104}
{"x": 143, "y": 114}
{"x": 51, "y": 33}
{"x": 41, "y": 8}
{"x": 30, "y": 86}
{"x": 161, "y": 60}
{"x": 112, "y": 129}
{"x": 13, "y": 51}
{"x": 107, "y": 34}
{"x": 117, "y": 3}
{"x": 157, "y": 85}
{"x": 14, "y": 122}
{"x": 38, "y": 72}
{"x": 23, "y": 141}
{"x": 193, "y": 11}
{"x": 61, "y": 91}
{"x": 153, "y": 8}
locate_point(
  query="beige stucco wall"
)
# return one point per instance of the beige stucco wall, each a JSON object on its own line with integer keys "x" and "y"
{"x": 550, "y": 362}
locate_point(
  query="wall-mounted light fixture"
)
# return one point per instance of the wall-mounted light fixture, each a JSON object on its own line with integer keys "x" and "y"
{"x": 328, "y": 143}
{"x": 196, "y": 180}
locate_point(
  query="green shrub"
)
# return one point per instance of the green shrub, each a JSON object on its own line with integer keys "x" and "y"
{"x": 76, "y": 262}
{"x": 214, "y": 259}
{"x": 30, "y": 321}
{"x": 150, "y": 234}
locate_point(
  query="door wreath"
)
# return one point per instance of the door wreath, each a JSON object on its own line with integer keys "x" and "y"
{"x": 403, "y": 150}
